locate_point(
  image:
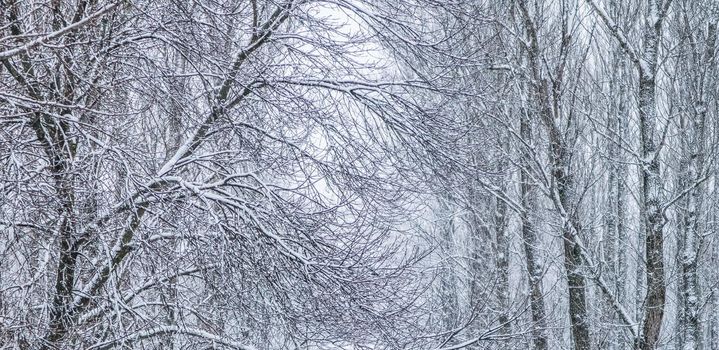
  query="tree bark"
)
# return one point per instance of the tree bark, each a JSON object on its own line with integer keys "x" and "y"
{"x": 692, "y": 168}
{"x": 651, "y": 210}
{"x": 546, "y": 108}
{"x": 531, "y": 243}
{"x": 502, "y": 263}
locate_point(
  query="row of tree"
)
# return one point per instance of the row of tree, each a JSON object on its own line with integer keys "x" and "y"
{"x": 311, "y": 174}
{"x": 604, "y": 124}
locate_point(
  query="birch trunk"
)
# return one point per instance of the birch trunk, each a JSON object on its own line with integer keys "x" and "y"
{"x": 652, "y": 212}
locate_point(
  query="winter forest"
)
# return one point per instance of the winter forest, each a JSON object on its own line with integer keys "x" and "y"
{"x": 359, "y": 174}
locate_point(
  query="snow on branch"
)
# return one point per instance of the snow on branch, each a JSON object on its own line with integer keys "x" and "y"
{"x": 171, "y": 329}
{"x": 4, "y": 55}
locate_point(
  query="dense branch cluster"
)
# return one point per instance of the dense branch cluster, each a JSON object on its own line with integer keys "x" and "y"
{"x": 301, "y": 174}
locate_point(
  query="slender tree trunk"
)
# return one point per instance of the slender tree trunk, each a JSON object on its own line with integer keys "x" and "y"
{"x": 60, "y": 151}
{"x": 652, "y": 211}
{"x": 611, "y": 239}
{"x": 546, "y": 108}
{"x": 689, "y": 293}
{"x": 572, "y": 255}
{"x": 714, "y": 309}
{"x": 693, "y": 151}
{"x": 616, "y": 214}
{"x": 448, "y": 280}
{"x": 531, "y": 243}
{"x": 502, "y": 263}
{"x": 689, "y": 281}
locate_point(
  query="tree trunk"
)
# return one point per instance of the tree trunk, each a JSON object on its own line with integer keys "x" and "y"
{"x": 502, "y": 263}
{"x": 531, "y": 243}
{"x": 652, "y": 211}
{"x": 576, "y": 280}
{"x": 448, "y": 280}
{"x": 693, "y": 151}
{"x": 616, "y": 213}
{"x": 547, "y": 109}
